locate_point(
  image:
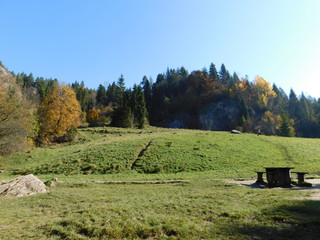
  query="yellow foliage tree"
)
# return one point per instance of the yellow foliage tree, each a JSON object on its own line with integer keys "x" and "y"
{"x": 59, "y": 113}
{"x": 262, "y": 91}
{"x": 242, "y": 89}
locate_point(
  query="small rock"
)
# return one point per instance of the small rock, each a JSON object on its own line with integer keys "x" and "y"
{"x": 235, "y": 131}
{"x": 52, "y": 182}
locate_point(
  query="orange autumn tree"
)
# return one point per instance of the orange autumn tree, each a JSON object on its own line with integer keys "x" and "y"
{"x": 93, "y": 117}
{"x": 59, "y": 113}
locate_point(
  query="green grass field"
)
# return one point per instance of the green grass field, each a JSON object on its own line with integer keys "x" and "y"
{"x": 84, "y": 205}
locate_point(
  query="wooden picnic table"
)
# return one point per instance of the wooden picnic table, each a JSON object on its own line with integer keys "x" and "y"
{"x": 278, "y": 176}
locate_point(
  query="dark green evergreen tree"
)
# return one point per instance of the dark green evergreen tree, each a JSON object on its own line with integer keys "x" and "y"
{"x": 121, "y": 84}
{"x": 213, "y": 73}
{"x": 113, "y": 94}
{"x": 101, "y": 96}
{"x": 235, "y": 78}
{"x": 244, "y": 111}
{"x": 224, "y": 76}
{"x": 28, "y": 81}
{"x": 183, "y": 72}
{"x": 122, "y": 116}
{"x": 293, "y": 104}
{"x": 280, "y": 103}
{"x": 147, "y": 91}
{"x": 304, "y": 117}
{"x": 83, "y": 95}
{"x": 45, "y": 86}
{"x": 284, "y": 129}
{"x": 138, "y": 107}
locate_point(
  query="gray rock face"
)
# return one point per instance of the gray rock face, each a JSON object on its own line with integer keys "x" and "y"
{"x": 22, "y": 186}
{"x": 218, "y": 116}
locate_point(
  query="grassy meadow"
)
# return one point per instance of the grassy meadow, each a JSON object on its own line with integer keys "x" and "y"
{"x": 98, "y": 195}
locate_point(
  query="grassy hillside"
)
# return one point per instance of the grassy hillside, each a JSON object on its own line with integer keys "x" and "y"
{"x": 198, "y": 210}
{"x": 156, "y": 150}
{"x": 84, "y": 205}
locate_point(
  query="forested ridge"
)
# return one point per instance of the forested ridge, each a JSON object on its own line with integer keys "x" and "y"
{"x": 37, "y": 111}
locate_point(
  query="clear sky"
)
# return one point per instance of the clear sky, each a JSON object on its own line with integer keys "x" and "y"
{"x": 96, "y": 41}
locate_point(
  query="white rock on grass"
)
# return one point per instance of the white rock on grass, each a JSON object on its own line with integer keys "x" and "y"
{"x": 22, "y": 186}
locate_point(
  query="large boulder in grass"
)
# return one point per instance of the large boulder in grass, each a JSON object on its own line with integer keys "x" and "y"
{"x": 22, "y": 186}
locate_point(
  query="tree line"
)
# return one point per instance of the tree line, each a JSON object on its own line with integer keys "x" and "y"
{"x": 36, "y": 111}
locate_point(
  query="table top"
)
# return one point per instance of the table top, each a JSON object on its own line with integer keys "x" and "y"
{"x": 279, "y": 168}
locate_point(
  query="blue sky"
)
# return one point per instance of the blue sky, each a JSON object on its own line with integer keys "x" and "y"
{"x": 97, "y": 41}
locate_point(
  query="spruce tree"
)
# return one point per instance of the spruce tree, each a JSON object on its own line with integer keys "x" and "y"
{"x": 123, "y": 114}
{"x": 213, "y": 73}
{"x": 235, "y": 78}
{"x": 101, "y": 96}
{"x": 138, "y": 107}
{"x": 147, "y": 91}
{"x": 121, "y": 84}
{"x": 224, "y": 75}
{"x": 285, "y": 126}
{"x": 113, "y": 94}
{"x": 293, "y": 104}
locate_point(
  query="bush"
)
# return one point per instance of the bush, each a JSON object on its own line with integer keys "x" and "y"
{"x": 70, "y": 136}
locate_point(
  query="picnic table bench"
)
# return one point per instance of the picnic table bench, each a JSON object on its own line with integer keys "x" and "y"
{"x": 279, "y": 177}
{"x": 300, "y": 177}
{"x": 260, "y": 178}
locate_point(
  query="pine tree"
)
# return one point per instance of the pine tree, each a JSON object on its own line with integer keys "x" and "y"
{"x": 244, "y": 111}
{"x": 284, "y": 129}
{"x": 138, "y": 107}
{"x": 113, "y": 94}
{"x": 279, "y": 104}
{"x": 183, "y": 72}
{"x": 147, "y": 91}
{"x": 304, "y": 117}
{"x": 293, "y": 104}
{"x": 101, "y": 96}
{"x": 121, "y": 84}
{"x": 82, "y": 95}
{"x": 224, "y": 76}
{"x": 45, "y": 86}
{"x": 122, "y": 116}
{"x": 235, "y": 78}
{"x": 213, "y": 73}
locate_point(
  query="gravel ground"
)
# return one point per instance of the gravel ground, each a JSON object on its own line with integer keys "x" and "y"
{"x": 314, "y": 190}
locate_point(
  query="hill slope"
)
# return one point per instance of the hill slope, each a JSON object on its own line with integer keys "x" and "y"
{"x": 156, "y": 150}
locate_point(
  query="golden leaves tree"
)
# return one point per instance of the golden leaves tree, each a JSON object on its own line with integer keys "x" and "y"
{"x": 59, "y": 113}
{"x": 92, "y": 117}
{"x": 262, "y": 91}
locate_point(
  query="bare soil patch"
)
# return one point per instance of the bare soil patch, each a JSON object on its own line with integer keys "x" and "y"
{"x": 314, "y": 190}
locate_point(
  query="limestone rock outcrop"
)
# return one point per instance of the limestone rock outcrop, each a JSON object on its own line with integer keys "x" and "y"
{"x": 22, "y": 186}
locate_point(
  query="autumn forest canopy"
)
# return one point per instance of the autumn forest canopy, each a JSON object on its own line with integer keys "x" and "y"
{"x": 38, "y": 111}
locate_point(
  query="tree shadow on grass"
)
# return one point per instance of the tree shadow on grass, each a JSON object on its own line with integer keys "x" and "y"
{"x": 295, "y": 220}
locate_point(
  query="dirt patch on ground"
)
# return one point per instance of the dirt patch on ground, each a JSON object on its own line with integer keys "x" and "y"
{"x": 314, "y": 191}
